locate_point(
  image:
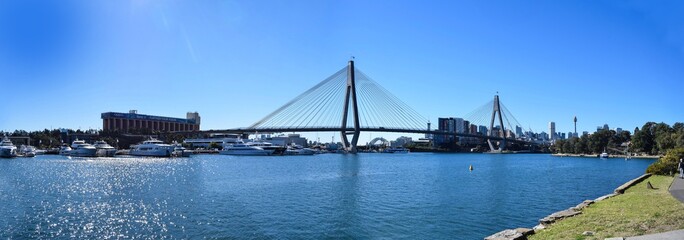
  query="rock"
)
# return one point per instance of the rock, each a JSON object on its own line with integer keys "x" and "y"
{"x": 588, "y": 233}
{"x": 508, "y": 234}
{"x": 525, "y": 231}
{"x": 582, "y": 205}
{"x": 558, "y": 215}
{"x": 621, "y": 189}
{"x": 605, "y": 197}
{"x": 539, "y": 227}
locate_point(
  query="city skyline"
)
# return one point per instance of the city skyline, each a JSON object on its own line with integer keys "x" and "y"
{"x": 235, "y": 62}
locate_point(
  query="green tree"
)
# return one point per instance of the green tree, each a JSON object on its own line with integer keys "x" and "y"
{"x": 643, "y": 139}
{"x": 667, "y": 165}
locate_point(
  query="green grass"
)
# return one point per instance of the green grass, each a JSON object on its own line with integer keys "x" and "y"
{"x": 638, "y": 211}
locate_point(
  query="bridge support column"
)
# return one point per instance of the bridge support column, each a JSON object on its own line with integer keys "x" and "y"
{"x": 502, "y": 131}
{"x": 350, "y": 97}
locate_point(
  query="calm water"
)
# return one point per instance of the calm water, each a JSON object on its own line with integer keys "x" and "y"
{"x": 413, "y": 195}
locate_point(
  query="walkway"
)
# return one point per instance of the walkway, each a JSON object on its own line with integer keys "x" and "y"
{"x": 677, "y": 188}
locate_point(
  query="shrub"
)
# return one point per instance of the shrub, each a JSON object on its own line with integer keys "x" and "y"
{"x": 668, "y": 164}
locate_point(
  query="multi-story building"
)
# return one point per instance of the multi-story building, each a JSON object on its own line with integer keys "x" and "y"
{"x": 552, "y": 131}
{"x": 482, "y": 130}
{"x": 447, "y": 125}
{"x": 460, "y": 125}
{"x": 126, "y": 122}
{"x": 543, "y": 136}
{"x": 518, "y": 131}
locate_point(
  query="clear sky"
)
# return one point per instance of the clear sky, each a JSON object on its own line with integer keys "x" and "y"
{"x": 62, "y": 63}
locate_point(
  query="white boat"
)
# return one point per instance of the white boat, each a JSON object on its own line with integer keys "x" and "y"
{"x": 274, "y": 149}
{"x": 299, "y": 150}
{"x": 80, "y": 148}
{"x": 152, "y": 148}
{"x": 396, "y": 150}
{"x": 104, "y": 149}
{"x": 27, "y": 151}
{"x": 64, "y": 150}
{"x": 7, "y": 148}
{"x": 603, "y": 155}
{"x": 180, "y": 151}
{"x": 241, "y": 148}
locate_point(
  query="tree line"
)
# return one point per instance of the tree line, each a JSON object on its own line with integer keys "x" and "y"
{"x": 651, "y": 139}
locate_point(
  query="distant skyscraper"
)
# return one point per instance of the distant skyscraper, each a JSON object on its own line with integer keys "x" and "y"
{"x": 575, "y": 121}
{"x": 552, "y": 131}
{"x": 482, "y": 130}
{"x": 459, "y": 125}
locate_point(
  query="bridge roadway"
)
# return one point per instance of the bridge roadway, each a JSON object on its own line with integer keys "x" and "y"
{"x": 363, "y": 129}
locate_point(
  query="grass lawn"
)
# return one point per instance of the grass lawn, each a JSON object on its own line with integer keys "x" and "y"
{"x": 638, "y": 211}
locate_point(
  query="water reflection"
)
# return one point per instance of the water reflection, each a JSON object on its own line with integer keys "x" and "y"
{"x": 347, "y": 211}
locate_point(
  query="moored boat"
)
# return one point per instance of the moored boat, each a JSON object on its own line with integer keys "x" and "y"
{"x": 241, "y": 148}
{"x": 104, "y": 149}
{"x": 27, "y": 151}
{"x": 7, "y": 148}
{"x": 396, "y": 150}
{"x": 299, "y": 150}
{"x": 79, "y": 148}
{"x": 64, "y": 150}
{"x": 180, "y": 151}
{"x": 152, "y": 148}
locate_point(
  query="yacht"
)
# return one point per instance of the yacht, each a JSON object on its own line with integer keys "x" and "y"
{"x": 64, "y": 150}
{"x": 603, "y": 155}
{"x": 180, "y": 151}
{"x": 104, "y": 149}
{"x": 7, "y": 148}
{"x": 27, "y": 151}
{"x": 274, "y": 149}
{"x": 152, "y": 148}
{"x": 79, "y": 148}
{"x": 299, "y": 150}
{"x": 396, "y": 150}
{"x": 241, "y": 148}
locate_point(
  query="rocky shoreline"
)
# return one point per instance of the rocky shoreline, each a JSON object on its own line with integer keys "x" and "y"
{"x": 522, "y": 233}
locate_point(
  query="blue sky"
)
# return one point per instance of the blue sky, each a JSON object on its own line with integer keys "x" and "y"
{"x": 62, "y": 63}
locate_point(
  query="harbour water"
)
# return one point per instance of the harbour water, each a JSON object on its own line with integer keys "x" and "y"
{"x": 416, "y": 195}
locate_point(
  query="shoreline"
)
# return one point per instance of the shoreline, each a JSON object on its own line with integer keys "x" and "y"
{"x": 523, "y": 233}
{"x": 609, "y": 156}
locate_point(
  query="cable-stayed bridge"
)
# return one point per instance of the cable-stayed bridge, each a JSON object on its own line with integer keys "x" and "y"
{"x": 350, "y": 102}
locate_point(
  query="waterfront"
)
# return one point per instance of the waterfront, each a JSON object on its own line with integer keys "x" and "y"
{"x": 417, "y": 195}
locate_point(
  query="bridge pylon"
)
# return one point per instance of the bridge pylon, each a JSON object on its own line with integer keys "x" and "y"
{"x": 350, "y": 98}
{"x": 501, "y": 132}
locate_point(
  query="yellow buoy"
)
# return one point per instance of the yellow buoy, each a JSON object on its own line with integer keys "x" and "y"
{"x": 471, "y": 167}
